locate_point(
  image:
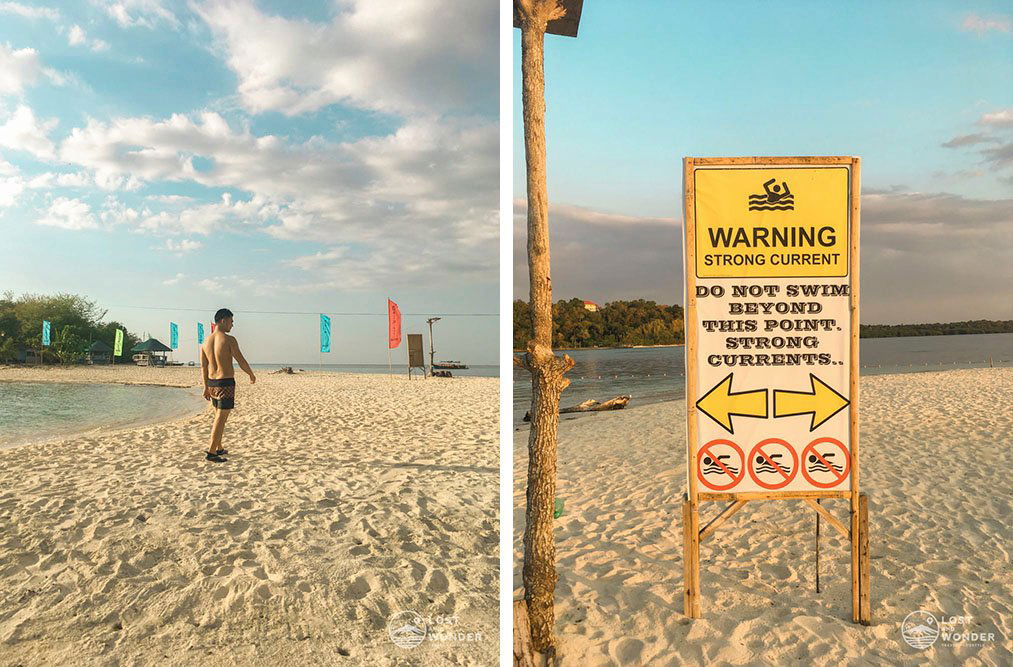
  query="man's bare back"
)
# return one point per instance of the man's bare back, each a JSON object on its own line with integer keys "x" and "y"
{"x": 219, "y": 349}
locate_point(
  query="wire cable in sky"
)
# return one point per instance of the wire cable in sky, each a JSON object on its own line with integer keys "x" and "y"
{"x": 300, "y": 312}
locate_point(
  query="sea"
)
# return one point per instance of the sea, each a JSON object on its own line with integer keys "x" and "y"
{"x": 654, "y": 374}
{"x": 37, "y": 411}
{"x": 382, "y": 369}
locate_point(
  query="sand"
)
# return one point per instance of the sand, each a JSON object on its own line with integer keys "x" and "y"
{"x": 936, "y": 464}
{"x": 346, "y": 499}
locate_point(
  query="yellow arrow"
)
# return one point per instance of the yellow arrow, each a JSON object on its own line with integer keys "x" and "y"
{"x": 822, "y": 402}
{"x": 720, "y": 403}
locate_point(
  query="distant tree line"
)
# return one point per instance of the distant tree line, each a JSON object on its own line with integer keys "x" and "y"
{"x": 642, "y": 322}
{"x": 75, "y": 323}
{"x": 616, "y": 324}
{"x": 936, "y": 328}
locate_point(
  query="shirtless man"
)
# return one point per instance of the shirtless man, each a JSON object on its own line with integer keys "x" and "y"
{"x": 216, "y": 355}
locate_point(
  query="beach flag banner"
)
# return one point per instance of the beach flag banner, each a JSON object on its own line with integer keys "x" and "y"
{"x": 771, "y": 275}
{"x": 118, "y": 346}
{"x": 173, "y": 336}
{"x": 325, "y": 333}
{"x": 200, "y": 333}
{"x": 393, "y": 325}
{"x": 46, "y": 340}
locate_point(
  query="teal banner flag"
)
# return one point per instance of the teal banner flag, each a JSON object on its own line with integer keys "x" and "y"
{"x": 325, "y": 333}
{"x": 173, "y": 336}
{"x": 200, "y": 333}
{"x": 45, "y": 332}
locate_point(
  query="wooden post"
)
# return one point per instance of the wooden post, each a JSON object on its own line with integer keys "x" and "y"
{"x": 817, "y": 548}
{"x": 547, "y": 371}
{"x": 523, "y": 653}
{"x": 864, "y": 594}
{"x": 690, "y": 563}
{"x": 691, "y": 553}
{"x": 853, "y": 407}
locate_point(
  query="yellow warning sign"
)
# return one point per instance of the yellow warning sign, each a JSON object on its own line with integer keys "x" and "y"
{"x": 756, "y": 222}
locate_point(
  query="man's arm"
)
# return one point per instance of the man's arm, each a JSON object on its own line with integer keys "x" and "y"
{"x": 204, "y": 372}
{"x": 241, "y": 360}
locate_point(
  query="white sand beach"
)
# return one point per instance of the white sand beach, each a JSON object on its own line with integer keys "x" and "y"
{"x": 346, "y": 499}
{"x": 935, "y": 462}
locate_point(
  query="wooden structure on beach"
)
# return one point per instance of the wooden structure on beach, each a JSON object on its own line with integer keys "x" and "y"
{"x": 150, "y": 353}
{"x": 728, "y": 403}
{"x": 416, "y": 355}
{"x": 99, "y": 353}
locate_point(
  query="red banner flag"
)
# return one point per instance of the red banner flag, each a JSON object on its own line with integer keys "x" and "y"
{"x": 393, "y": 324}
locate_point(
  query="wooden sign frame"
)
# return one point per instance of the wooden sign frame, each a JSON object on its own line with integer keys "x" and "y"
{"x": 857, "y": 530}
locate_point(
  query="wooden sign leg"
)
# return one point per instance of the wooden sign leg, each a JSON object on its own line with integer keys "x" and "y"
{"x": 855, "y": 617}
{"x": 690, "y": 560}
{"x": 864, "y": 594}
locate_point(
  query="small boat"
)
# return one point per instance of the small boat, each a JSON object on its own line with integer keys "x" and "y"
{"x": 449, "y": 365}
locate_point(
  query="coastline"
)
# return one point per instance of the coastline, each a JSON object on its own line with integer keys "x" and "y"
{"x": 346, "y": 498}
{"x": 934, "y": 468}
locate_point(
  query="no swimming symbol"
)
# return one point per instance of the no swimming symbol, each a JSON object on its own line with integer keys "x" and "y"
{"x": 773, "y": 463}
{"x": 826, "y": 462}
{"x": 720, "y": 465}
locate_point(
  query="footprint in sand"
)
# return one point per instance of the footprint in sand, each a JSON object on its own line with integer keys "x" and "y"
{"x": 359, "y": 588}
{"x": 438, "y": 582}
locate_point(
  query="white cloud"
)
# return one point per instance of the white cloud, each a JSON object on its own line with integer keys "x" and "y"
{"x": 25, "y": 11}
{"x": 18, "y": 68}
{"x": 175, "y": 280}
{"x": 68, "y": 214}
{"x": 134, "y": 13}
{"x": 981, "y": 25}
{"x": 49, "y": 179}
{"x": 11, "y": 184}
{"x": 182, "y": 247}
{"x": 22, "y": 131}
{"x": 76, "y": 36}
{"x": 1001, "y": 118}
{"x": 393, "y": 56}
{"x": 390, "y": 196}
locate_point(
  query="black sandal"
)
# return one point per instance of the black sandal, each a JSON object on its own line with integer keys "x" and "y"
{"x": 215, "y": 457}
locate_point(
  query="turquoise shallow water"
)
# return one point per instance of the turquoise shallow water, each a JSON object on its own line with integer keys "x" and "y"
{"x": 31, "y": 411}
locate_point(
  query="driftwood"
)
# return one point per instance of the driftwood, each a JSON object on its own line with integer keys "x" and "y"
{"x": 591, "y": 405}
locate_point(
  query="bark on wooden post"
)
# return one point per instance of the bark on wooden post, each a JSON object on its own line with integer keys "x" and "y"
{"x": 547, "y": 381}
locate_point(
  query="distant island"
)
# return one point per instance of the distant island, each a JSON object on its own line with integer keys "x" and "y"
{"x": 584, "y": 324}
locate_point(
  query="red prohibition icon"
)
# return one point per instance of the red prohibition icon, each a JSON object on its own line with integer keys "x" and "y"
{"x": 768, "y": 457}
{"x": 815, "y": 462}
{"x": 718, "y": 466}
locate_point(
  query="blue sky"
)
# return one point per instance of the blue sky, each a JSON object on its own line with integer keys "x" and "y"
{"x": 250, "y": 155}
{"x": 648, "y": 83}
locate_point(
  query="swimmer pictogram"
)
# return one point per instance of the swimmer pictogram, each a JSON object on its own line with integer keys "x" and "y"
{"x": 773, "y": 198}
{"x": 826, "y": 462}
{"x": 720, "y": 465}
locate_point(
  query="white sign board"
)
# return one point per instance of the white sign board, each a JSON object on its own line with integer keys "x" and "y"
{"x": 771, "y": 322}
